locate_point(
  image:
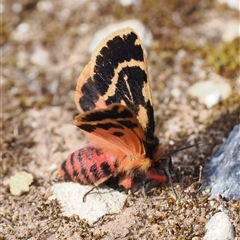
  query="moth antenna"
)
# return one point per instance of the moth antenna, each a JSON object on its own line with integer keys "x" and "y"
{"x": 166, "y": 169}
{"x": 85, "y": 195}
{"x": 183, "y": 148}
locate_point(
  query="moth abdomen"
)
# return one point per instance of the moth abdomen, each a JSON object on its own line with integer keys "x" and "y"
{"x": 88, "y": 166}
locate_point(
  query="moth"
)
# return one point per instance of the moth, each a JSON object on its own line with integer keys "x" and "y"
{"x": 114, "y": 98}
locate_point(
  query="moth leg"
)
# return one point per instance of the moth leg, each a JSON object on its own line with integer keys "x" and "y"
{"x": 85, "y": 195}
{"x": 144, "y": 188}
{"x": 100, "y": 181}
{"x": 171, "y": 182}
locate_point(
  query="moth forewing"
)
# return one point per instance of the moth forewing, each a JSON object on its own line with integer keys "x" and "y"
{"x": 121, "y": 66}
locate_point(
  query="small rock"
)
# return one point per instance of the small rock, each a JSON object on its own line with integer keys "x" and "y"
{"x": 144, "y": 33}
{"x": 40, "y": 57}
{"x": 17, "y": 7}
{"x": 99, "y": 202}
{"x": 212, "y": 91}
{"x": 20, "y": 182}
{"x": 219, "y": 227}
{"x": 83, "y": 28}
{"x": 231, "y": 3}
{"x": 222, "y": 173}
{"x": 220, "y": 29}
{"x": 22, "y": 32}
{"x": 231, "y": 32}
{"x": 45, "y": 6}
{"x": 2, "y": 7}
{"x": 129, "y": 2}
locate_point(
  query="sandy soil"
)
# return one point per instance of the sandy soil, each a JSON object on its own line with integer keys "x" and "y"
{"x": 44, "y": 48}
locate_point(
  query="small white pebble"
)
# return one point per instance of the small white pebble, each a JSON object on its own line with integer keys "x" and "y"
{"x": 21, "y": 32}
{"x": 219, "y": 227}
{"x": 17, "y": 7}
{"x": 231, "y": 3}
{"x": 40, "y": 57}
{"x": 211, "y": 203}
{"x": 20, "y": 182}
{"x": 129, "y": 2}
{"x": 45, "y": 6}
{"x": 212, "y": 91}
{"x": 175, "y": 92}
{"x": 2, "y": 8}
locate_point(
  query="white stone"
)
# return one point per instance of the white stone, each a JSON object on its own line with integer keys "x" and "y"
{"x": 40, "y": 57}
{"x": 20, "y": 182}
{"x": 83, "y": 28}
{"x": 22, "y": 32}
{"x": 45, "y": 6}
{"x": 231, "y": 3}
{"x": 212, "y": 91}
{"x": 129, "y": 2}
{"x": 176, "y": 92}
{"x": 231, "y": 32}
{"x": 144, "y": 33}
{"x": 2, "y": 7}
{"x": 219, "y": 227}
{"x": 99, "y": 202}
{"x": 17, "y": 7}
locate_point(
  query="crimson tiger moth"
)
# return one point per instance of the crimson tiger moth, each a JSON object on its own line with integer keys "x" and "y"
{"x": 116, "y": 115}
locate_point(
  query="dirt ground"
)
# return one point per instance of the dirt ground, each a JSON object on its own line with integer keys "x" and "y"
{"x": 44, "y": 46}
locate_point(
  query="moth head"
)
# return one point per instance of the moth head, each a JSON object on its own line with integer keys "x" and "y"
{"x": 163, "y": 160}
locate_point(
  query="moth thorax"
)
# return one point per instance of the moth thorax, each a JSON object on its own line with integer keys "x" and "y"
{"x": 144, "y": 164}
{"x": 134, "y": 163}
